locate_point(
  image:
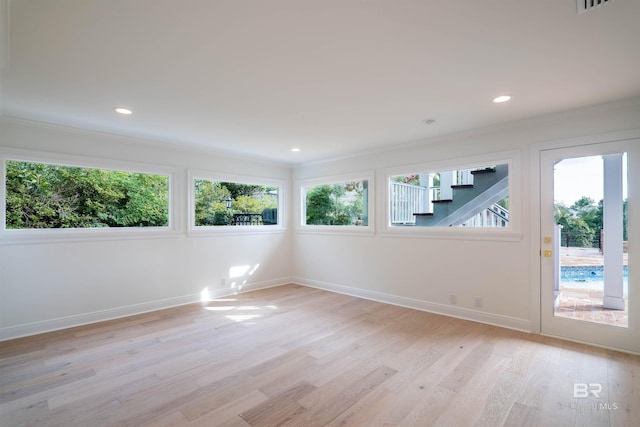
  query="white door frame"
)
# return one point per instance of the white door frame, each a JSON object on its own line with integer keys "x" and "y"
{"x": 536, "y": 231}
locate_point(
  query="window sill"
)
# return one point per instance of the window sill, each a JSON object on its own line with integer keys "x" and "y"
{"x": 447, "y": 233}
{"x": 328, "y": 230}
{"x": 234, "y": 230}
{"x": 43, "y": 236}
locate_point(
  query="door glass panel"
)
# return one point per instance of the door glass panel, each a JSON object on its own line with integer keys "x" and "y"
{"x": 591, "y": 261}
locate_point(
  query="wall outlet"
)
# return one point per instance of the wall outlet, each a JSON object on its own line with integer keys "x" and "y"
{"x": 223, "y": 283}
{"x": 477, "y": 302}
{"x": 453, "y": 299}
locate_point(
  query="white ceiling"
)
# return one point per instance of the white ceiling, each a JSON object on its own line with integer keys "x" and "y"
{"x": 333, "y": 77}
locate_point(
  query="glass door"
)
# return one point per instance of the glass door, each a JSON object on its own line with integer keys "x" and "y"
{"x": 587, "y": 230}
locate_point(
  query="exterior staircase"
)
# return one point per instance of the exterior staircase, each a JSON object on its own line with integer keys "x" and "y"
{"x": 489, "y": 186}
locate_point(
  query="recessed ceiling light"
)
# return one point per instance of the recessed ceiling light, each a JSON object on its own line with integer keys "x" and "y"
{"x": 123, "y": 110}
{"x": 295, "y": 149}
{"x": 502, "y": 98}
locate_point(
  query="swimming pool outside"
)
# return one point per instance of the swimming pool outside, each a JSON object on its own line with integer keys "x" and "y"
{"x": 588, "y": 277}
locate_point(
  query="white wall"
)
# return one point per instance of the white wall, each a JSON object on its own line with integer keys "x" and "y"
{"x": 48, "y": 286}
{"x": 424, "y": 272}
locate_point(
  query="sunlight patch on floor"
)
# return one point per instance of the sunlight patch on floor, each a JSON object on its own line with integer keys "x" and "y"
{"x": 238, "y": 313}
{"x": 242, "y": 317}
{"x": 227, "y": 308}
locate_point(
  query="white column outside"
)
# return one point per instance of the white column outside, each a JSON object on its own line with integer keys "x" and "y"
{"x": 556, "y": 264}
{"x": 613, "y": 297}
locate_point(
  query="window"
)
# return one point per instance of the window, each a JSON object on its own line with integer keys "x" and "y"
{"x": 471, "y": 199}
{"x": 42, "y": 195}
{"x": 235, "y": 203}
{"x": 339, "y": 204}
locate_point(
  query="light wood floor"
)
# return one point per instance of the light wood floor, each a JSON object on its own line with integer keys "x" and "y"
{"x": 296, "y": 356}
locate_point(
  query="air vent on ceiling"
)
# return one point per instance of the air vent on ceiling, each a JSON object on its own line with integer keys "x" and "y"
{"x": 586, "y": 5}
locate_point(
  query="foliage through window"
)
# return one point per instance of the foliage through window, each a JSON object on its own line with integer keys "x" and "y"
{"x": 582, "y": 222}
{"x": 337, "y": 204}
{"x": 231, "y": 203}
{"x": 45, "y": 196}
{"x": 475, "y": 197}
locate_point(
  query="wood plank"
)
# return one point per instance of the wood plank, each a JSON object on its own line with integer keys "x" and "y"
{"x": 465, "y": 370}
{"x": 362, "y": 412}
{"x": 229, "y": 414}
{"x": 23, "y": 416}
{"x": 470, "y": 401}
{"x": 100, "y": 407}
{"x": 278, "y": 409}
{"x": 47, "y": 381}
{"x": 320, "y": 415}
{"x": 621, "y": 368}
{"x": 430, "y": 408}
{"x": 524, "y": 416}
{"x": 500, "y": 399}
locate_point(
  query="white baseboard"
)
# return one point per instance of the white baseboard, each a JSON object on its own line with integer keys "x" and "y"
{"x": 35, "y": 328}
{"x": 518, "y": 324}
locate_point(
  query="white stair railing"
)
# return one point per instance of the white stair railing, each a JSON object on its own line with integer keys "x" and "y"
{"x": 406, "y": 200}
{"x": 495, "y": 216}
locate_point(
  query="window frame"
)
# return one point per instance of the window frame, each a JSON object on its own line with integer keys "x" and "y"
{"x": 57, "y": 235}
{"x": 209, "y": 230}
{"x": 368, "y": 229}
{"x": 511, "y": 233}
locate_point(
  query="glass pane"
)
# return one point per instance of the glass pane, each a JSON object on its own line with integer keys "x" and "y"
{"x": 234, "y": 204}
{"x": 476, "y": 197}
{"x": 40, "y": 195}
{"x": 590, "y": 205}
{"x": 340, "y": 204}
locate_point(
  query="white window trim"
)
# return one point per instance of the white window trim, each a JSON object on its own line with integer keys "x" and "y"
{"x": 511, "y": 233}
{"x": 195, "y": 231}
{"x": 368, "y": 229}
{"x": 59, "y": 235}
